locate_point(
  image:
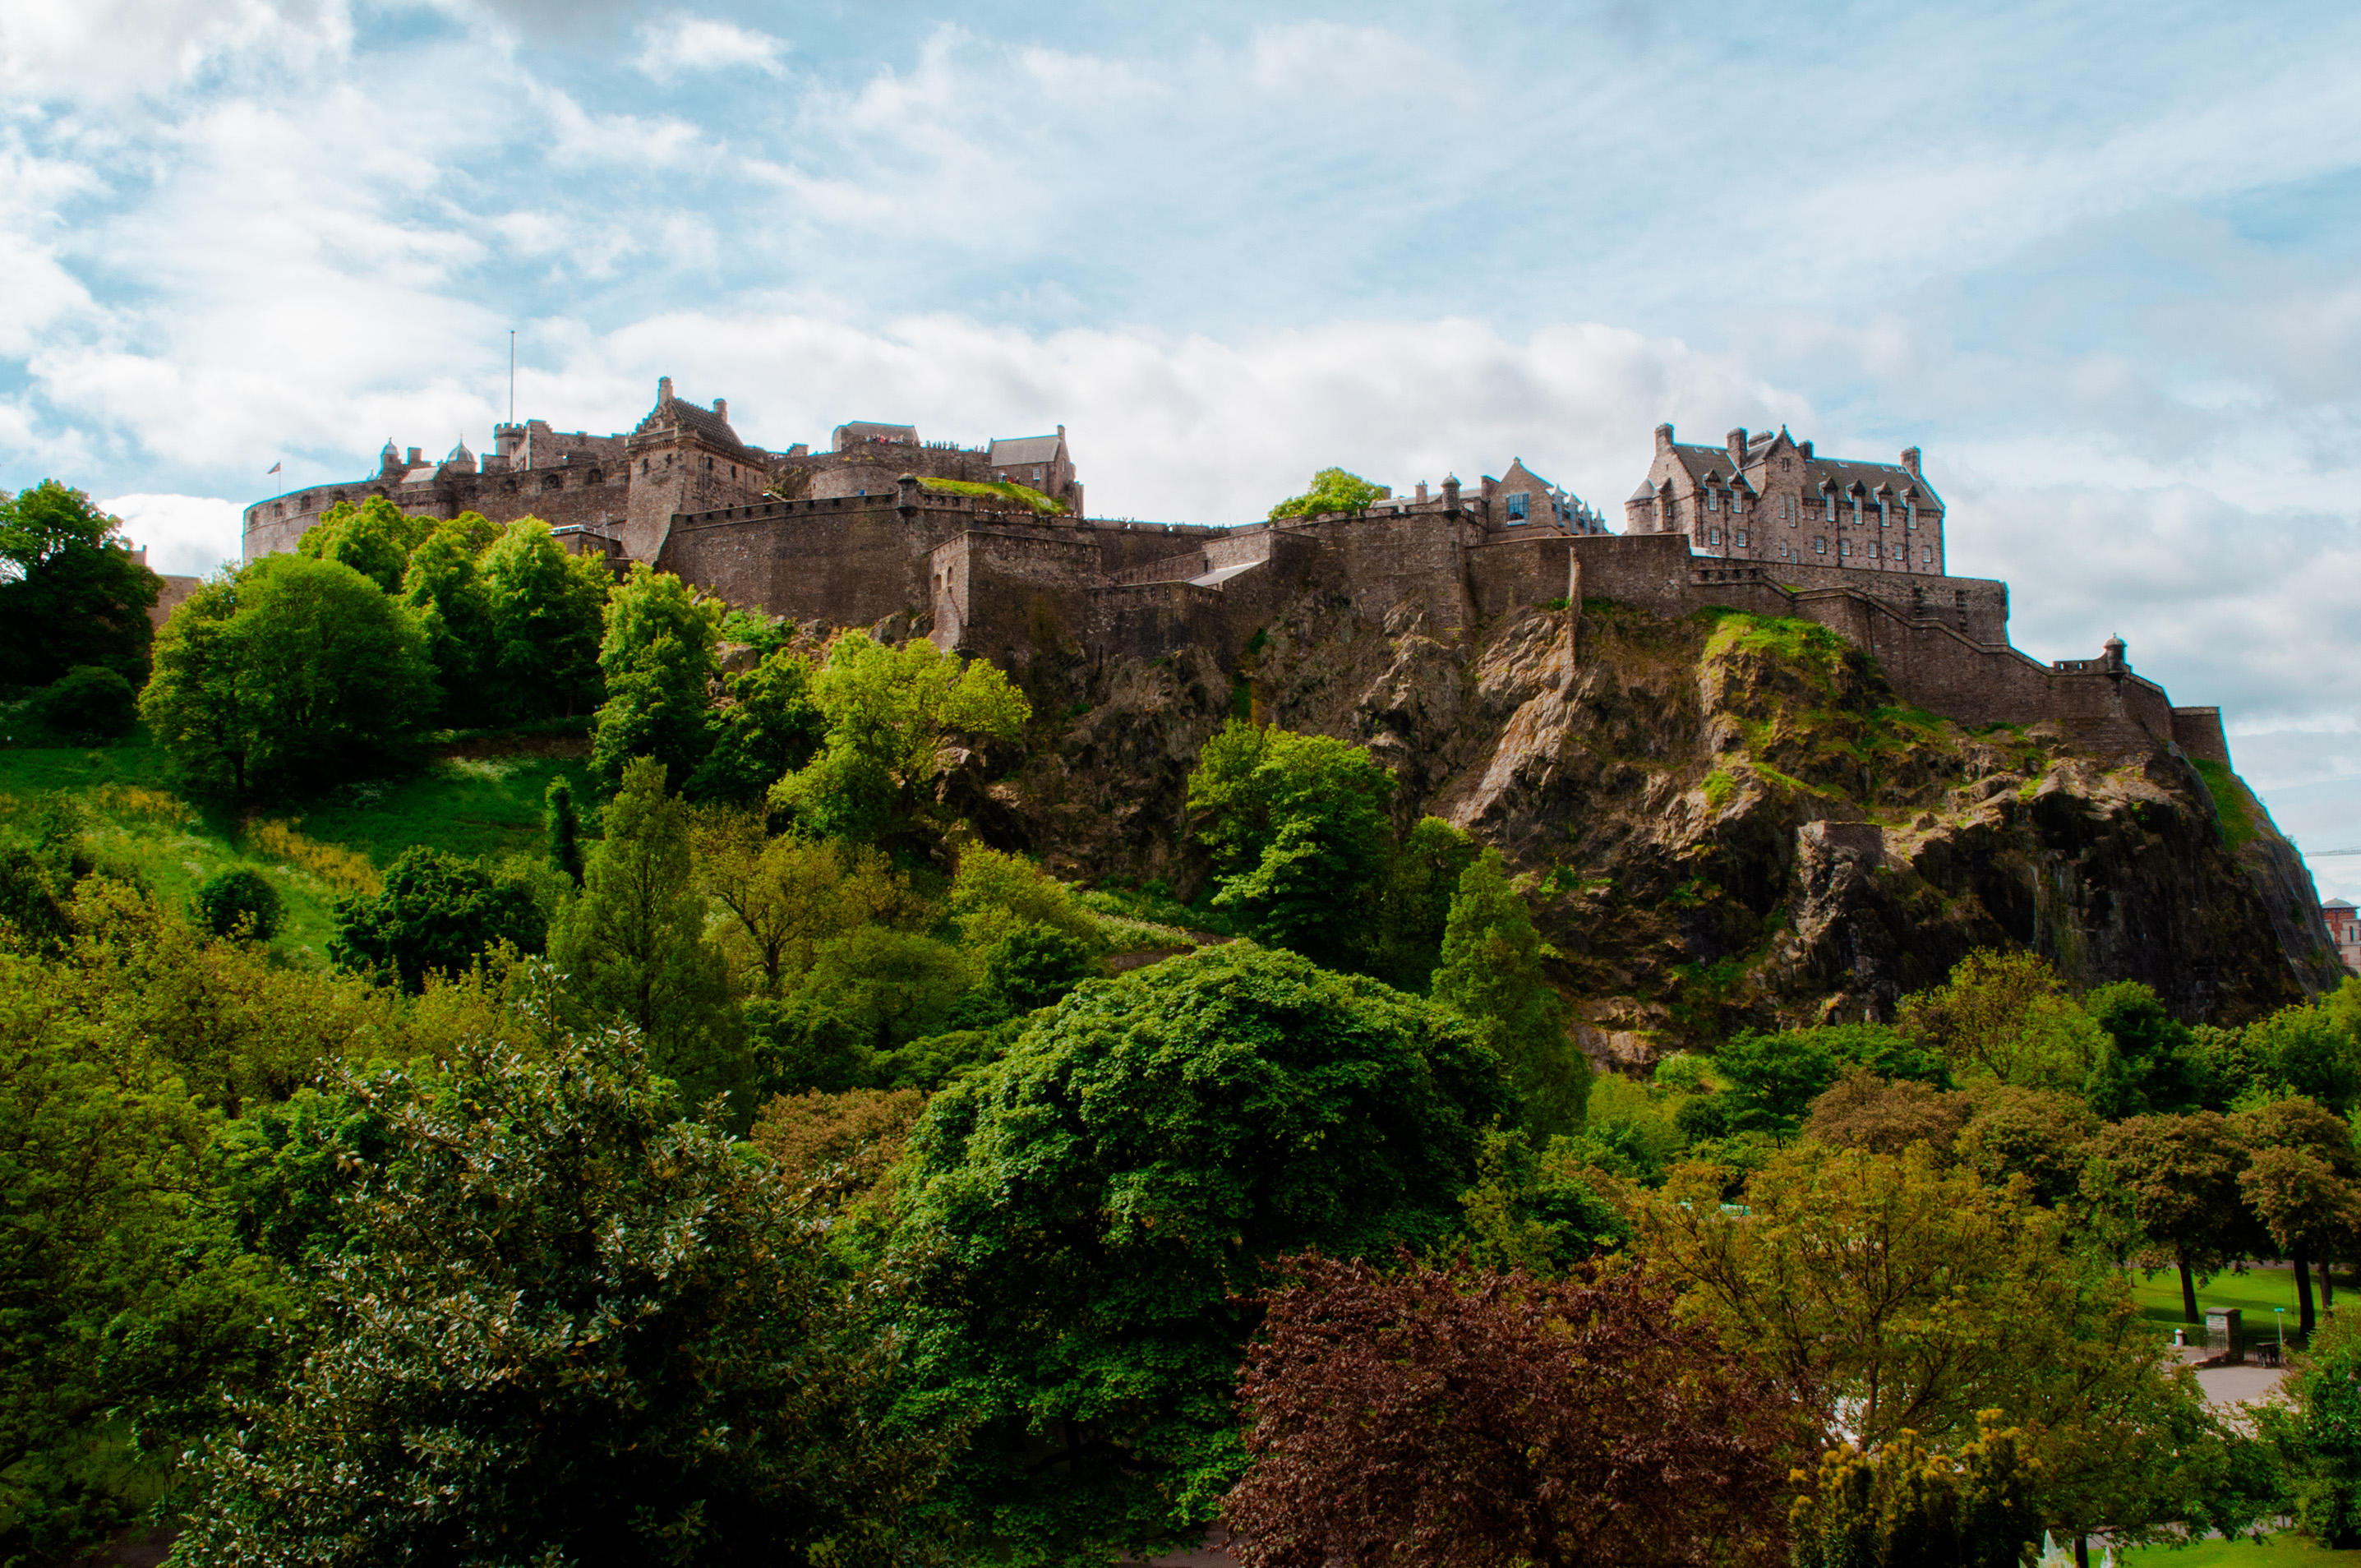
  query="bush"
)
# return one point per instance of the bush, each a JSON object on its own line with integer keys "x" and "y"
{"x": 241, "y": 902}
{"x": 436, "y": 912}
{"x": 89, "y": 702}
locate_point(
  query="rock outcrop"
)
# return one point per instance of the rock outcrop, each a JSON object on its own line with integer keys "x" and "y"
{"x": 1729, "y": 820}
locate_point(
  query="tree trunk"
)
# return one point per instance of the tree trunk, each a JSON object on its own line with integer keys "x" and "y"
{"x": 2302, "y": 1289}
{"x": 2081, "y": 1550}
{"x": 2327, "y": 1286}
{"x": 2188, "y": 1291}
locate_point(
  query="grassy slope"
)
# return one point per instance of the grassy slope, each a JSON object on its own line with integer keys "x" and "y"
{"x": 2288, "y": 1551}
{"x": 476, "y": 801}
{"x": 2254, "y": 1293}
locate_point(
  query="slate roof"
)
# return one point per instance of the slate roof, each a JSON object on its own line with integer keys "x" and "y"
{"x": 1008, "y": 451}
{"x": 698, "y": 419}
{"x": 1700, "y": 460}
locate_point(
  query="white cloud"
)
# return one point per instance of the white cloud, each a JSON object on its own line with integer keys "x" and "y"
{"x": 183, "y": 535}
{"x": 672, "y": 45}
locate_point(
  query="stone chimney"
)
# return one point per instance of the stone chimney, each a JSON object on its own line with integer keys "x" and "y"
{"x": 415, "y": 460}
{"x": 664, "y": 390}
{"x": 1804, "y": 448}
{"x": 721, "y": 408}
{"x": 1421, "y": 491}
{"x": 1910, "y": 460}
{"x": 1664, "y": 436}
{"x": 1736, "y": 439}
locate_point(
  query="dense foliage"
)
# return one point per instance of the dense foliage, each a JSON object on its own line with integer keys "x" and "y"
{"x": 1332, "y": 490}
{"x": 848, "y": 1186}
{"x": 1499, "y": 1421}
{"x": 70, "y": 591}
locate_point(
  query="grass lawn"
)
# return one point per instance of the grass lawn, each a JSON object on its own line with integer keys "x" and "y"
{"x": 481, "y": 797}
{"x": 2288, "y": 1551}
{"x": 2261, "y": 1287}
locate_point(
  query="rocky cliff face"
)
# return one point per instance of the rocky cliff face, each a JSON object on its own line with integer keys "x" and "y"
{"x": 1729, "y": 820}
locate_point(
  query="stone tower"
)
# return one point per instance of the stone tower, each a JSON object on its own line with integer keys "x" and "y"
{"x": 685, "y": 458}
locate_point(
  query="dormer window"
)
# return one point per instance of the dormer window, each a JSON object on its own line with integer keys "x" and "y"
{"x": 1519, "y": 504}
{"x": 1856, "y": 508}
{"x": 1708, "y": 500}
{"x": 1884, "y": 513}
{"x": 1909, "y": 514}
{"x": 1736, "y": 499}
{"x": 1830, "y": 498}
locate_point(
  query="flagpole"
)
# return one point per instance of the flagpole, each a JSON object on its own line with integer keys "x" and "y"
{"x": 513, "y": 375}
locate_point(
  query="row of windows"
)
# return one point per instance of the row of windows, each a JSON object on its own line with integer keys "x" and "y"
{"x": 1789, "y": 511}
{"x": 1899, "y": 553}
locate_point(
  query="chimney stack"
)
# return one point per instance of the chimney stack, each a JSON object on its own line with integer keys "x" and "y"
{"x": 721, "y": 408}
{"x": 1664, "y": 436}
{"x": 415, "y": 460}
{"x": 1737, "y": 443}
{"x": 1910, "y": 460}
{"x": 664, "y": 390}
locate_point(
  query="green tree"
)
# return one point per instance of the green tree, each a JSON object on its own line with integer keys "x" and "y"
{"x": 1491, "y": 975}
{"x": 2147, "y": 1063}
{"x": 2301, "y": 1181}
{"x": 547, "y": 610}
{"x": 2315, "y": 1434}
{"x": 896, "y": 717}
{"x": 2307, "y": 1050}
{"x": 1904, "y": 1506}
{"x": 783, "y": 896}
{"x": 90, "y": 703}
{"x": 71, "y": 592}
{"x": 1332, "y": 490}
{"x": 240, "y": 901}
{"x": 994, "y": 892}
{"x": 1423, "y": 874}
{"x": 768, "y": 728}
{"x": 1891, "y": 1294}
{"x": 435, "y": 914}
{"x": 868, "y": 993}
{"x": 2173, "y": 1180}
{"x": 571, "y": 1328}
{"x": 1088, "y": 1218}
{"x": 1298, "y": 830}
{"x": 443, "y": 587}
{"x": 287, "y": 675}
{"x": 561, "y": 829}
{"x": 2006, "y": 1015}
{"x": 633, "y": 947}
{"x": 373, "y": 539}
{"x": 127, "y": 1309}
{"x": 656, "y": 660}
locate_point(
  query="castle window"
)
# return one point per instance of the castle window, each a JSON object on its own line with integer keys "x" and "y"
{"x": 1819, "y": 547}
{"x": 1741, "y": 539}
{"x": 1736, "y": 501}
{"x": 1909, "y": 514}
{"x": 1856, "y": 511}
{"x": 1518, "y": 504}
{"x": 1713, "y": 536}
{"x": 1885, "y": 514}
{"x": 1926, "y": 555}
{"x": 1831, "y": 499}
{"x": 1709, "y": 500}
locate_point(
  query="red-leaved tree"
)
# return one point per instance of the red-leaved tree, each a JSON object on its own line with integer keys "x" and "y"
{"x": 1477, "y": 1418}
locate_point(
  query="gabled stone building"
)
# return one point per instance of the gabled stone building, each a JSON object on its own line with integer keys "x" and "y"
{"x": 1767, "y": 496}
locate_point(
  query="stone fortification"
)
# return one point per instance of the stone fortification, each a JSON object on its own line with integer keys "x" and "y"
{"x": 855, "y": 535}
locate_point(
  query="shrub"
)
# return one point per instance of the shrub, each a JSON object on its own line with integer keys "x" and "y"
{"x": 241, "y": 902}
{"x": 89, "y": 701}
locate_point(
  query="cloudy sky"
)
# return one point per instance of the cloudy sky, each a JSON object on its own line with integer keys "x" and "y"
{"x": 2097, "y": 260}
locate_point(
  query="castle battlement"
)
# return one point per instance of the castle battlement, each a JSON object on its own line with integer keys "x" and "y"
{"x": 853, "y": 536}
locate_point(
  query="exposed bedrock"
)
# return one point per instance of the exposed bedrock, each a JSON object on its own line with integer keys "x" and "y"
{"x": 1729, "y": 820}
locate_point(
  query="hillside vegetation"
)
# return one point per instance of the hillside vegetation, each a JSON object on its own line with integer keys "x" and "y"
{"x": 507, "y": 1064}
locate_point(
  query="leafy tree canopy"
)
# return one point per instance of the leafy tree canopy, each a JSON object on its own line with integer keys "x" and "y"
{"x": 769, "y": 728}
{"x": 1332, "y": 490}
{"x": 287, "y": 675}
{"x": 571, "y": 1328}
{"x": 656, "y": 659}
{"x": 546, "y": 610}
{"x": 373, "y": 539}
{"x": 435, "y": 914}
{"x": 898, "y": 720}
{"x": 2006, "y": 1015}
{"x": 1085, "y": 1215}
{"x": 71, "y": 592}
{"x": 1501, "y": 1422}
{"x": 1491, "y": 975}
{"x": 1298, "y": 829}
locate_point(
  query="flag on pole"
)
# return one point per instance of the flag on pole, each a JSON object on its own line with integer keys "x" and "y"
{"x": 274, "y": 468}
